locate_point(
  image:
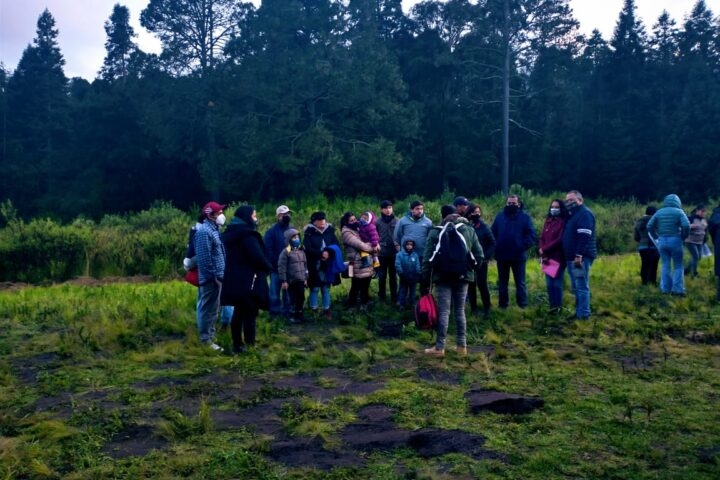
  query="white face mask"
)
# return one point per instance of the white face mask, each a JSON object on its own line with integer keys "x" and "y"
{"x": 220, "y": 220}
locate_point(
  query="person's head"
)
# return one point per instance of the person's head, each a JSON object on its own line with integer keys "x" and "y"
{"x": 283, "y": 214}
{"x": 699, "y": 211}
{"x": 292, "y": 237}
{"x": 650, "y": 210}
{"x": 366, "y": 218}
{"x": 247, "y": 214}
{"x": 461, "y": 204}
{"x": 349, "y": 220}
{"x": 417, "y": 209}
{"x": 473, "y": 212}
{"x": 213, "y": 211}
{"x": 512, "y": 204}
{"x": 573, "y": 199}
{"x": 557, "y": 208}
{"x": 386, "y": 208}
{"x": 318, "y": 220}
{"x": 446, "y": 210}
{"x": 409, "y": 245}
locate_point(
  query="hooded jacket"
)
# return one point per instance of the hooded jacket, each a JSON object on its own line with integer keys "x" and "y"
{"x": 670, "y": 220}
{"x": 353, "y": 246}
{"x": 246, "y": 263}
{"x": 315, "y": 241}
{"x": 471, "y": 240}
{"x": 292, "y": 262}
{"x": 368, "y": 231}
{"x": 408, "y": 264}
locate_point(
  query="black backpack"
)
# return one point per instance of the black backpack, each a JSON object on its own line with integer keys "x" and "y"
{"x": 452, "y": 258}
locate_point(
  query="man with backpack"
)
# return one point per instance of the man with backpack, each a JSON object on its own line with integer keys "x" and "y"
{"x": 451, "y": 253}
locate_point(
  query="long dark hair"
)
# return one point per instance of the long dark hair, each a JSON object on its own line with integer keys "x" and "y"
{"x": 563, "y": 210}
{"x": 344, "y": 219}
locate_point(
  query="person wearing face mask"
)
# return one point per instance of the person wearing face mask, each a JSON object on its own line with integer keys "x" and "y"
{"x": 487, "y": 242}
{"x": 245, "y": 285}
{"x": 274, "y": 244}
{"x": 514, "y": 234}
{"x": 210, "y": 256}
{"x": 293, "y": 272}
{"x": 580, "y": 249}
{"x": 550, "y": 249}
{"x": 318, "y": 237}
{"x": 362, "y": 272}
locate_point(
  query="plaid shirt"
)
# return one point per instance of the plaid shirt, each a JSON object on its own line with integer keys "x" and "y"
{"x": 210, "y": 253}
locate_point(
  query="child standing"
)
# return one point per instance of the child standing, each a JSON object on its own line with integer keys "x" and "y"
{"x": 407, "y": 264}
{"x": 293, "y": 273}
{"x": 369, "y": 234}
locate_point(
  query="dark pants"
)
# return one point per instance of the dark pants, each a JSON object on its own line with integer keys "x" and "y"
{"x": 243, "y": 325}
{"x": 359, "y": 287}
{"x": 296, "y": 291}
{"x": 518, "y": 270}
{"x": 649, "y": 259}
{"x": 406, "y": 292}
{"x": 387, "y": 272}
{"x": 481, "y": 283}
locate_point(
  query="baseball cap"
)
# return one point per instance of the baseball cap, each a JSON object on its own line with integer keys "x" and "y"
{"x": 282, "y": 209}
{"x": 212, "y": 207}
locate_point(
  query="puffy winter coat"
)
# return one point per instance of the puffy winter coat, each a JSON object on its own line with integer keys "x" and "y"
{"x": 292, "y": 262}
{"x": 353, "y": 246}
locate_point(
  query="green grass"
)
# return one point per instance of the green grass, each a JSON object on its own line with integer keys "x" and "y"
{"x": 633, "y": 393}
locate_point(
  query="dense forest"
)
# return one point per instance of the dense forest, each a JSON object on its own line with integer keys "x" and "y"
{"x": 297, "y": 98}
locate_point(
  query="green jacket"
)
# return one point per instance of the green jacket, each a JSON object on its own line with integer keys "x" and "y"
{"x": 468, "y": 232}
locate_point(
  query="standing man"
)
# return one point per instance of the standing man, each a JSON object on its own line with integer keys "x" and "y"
{"x": 414, "y": 226}
{"x": 514, "y": 234}
{"x": 714, "y": 229}
{"x": 385, "y": 226}
{"x": 210, "y": 255}
{"x": 274, "y": 240}
{"x": 580, "y": 249}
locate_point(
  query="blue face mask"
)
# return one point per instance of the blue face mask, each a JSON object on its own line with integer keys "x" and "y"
{"x": 295, "y": 243}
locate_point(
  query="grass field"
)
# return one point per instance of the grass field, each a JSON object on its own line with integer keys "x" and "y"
{"x": 109, "y": 381}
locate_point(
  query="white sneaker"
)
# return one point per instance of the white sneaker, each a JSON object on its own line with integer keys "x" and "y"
{"x": 216, "y": 347}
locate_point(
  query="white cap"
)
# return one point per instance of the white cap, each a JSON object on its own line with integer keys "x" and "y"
{"x": 282, "y": 209}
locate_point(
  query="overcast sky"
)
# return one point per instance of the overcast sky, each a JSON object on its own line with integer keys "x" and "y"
{"x": 82, "y": 34}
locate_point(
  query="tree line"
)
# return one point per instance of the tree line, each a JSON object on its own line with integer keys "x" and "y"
{"x": 297, "y": 98}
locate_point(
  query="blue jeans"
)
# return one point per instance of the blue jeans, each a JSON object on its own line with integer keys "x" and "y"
{"x": 581, "y": 288}
{"x": 695, "y": 256}
{"x": 226, "y": 315}
{"x": 447, "y": 295}
{"x": 555, "y": 287}
{"x": 671, "y": 249}
{"x": 406, "y": 293}
{"x": 313, "y": 297}
{"x": 208, "y": 305}
{"x": 518, "y": 270}
{"x": 279, "y": 299}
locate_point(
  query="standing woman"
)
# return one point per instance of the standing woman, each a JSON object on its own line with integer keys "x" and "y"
{"x": 714, "y": 230}
{"x": 246, "y": 271}
{"x": 487, "y": 242}
{"x": 362, "y": 275}
{"x": 319, "y": 235}
{"x": 551, "y": 249}
{"x": 696, "y": 239}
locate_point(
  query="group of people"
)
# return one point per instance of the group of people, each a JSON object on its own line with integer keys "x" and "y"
{"x": 245, "y": 272}
{"x": 661, "y": 235}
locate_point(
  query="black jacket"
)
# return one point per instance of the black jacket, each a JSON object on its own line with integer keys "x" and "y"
{"x": 245, "y": 262}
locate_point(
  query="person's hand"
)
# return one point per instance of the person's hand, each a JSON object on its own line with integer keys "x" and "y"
{"x": 325, "y": 255}
{"x": 284, "y": 285}
{"x": 578, "y": 261}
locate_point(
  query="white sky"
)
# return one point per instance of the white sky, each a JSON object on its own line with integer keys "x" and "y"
{"x": 82, "y": 34}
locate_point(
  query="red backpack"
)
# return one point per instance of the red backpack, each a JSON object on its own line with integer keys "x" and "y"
{"x": 426, "y": 312}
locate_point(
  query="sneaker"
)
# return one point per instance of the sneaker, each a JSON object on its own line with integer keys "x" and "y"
{"x": 216, "y": 347}
{"x": 437, "y": 352}
{"x": 462, "y": 351}
{"x": 294, "y": 320}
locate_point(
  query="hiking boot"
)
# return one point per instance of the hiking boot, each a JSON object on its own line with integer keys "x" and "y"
{"x": 434, "y": 351}
{"x": 327, "y": 314}
{"x": 462, "y": 351}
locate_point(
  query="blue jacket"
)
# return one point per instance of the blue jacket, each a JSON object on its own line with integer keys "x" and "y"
{"x": 670, "y": 220}
{"x": 514, "y": 234}
{"x": 579, "y": 235}
{"x": 408, "y": 265}
{"x": 409, "y": 228}
{"x": 209, "y": 252}
{"x": 275, "y": 243}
